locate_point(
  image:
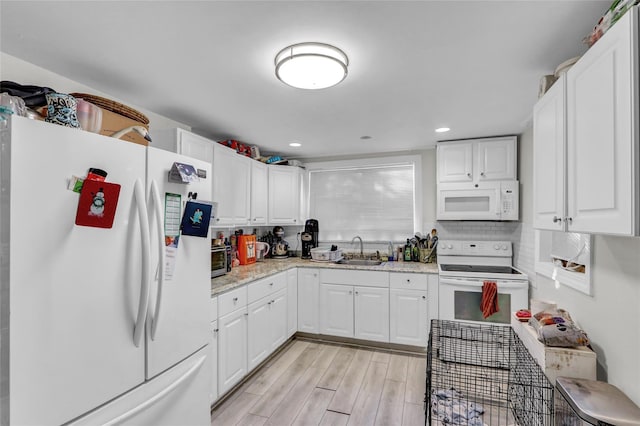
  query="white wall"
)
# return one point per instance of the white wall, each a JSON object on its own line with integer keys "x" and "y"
{"x": 21, "y": 72}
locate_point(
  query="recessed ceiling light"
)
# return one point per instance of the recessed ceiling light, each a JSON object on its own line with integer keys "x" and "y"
{"x": 296, "y": 144}
{"x": 311, "y": 65}
{"x": 442, "y": 129}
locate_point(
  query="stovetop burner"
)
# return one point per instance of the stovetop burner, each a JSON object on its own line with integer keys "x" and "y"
{"x": 486, "y": 269}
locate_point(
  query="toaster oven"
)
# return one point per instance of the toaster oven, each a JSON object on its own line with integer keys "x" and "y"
{"x": 218, "y": 261}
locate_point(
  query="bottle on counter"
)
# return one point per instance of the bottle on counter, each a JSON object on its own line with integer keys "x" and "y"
{"x": 407, "y": 251}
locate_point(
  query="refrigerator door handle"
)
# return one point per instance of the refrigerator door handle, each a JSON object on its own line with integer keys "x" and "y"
{"x": 157, "y": 208}
{"x": 143, "y": 304}
{"x": 157, "y": 397}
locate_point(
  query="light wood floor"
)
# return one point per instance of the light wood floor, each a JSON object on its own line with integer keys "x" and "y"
{"x": 312, "y": 383}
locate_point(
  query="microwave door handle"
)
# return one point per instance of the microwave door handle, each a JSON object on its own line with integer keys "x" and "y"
{"x": 157, "y": 208}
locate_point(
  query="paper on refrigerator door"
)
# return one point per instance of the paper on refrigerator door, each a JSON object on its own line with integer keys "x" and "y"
{"x": 172, "y": 217}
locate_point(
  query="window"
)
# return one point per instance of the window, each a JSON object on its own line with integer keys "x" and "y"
{"x": 376, "y": 199}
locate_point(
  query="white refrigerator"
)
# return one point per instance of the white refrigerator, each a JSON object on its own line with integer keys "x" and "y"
{"x": 90, "y": 334}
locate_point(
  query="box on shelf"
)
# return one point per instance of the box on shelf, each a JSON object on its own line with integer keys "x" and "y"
{"x": 577, "y": 362}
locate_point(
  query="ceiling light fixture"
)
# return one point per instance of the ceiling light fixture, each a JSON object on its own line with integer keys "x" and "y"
{"x": 295, "y": 144}
{"x": 442, "y": 129}
{"x": 311, "y": 65}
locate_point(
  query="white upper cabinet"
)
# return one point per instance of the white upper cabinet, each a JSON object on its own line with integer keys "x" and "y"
{"x": 602, "y": 134}
{"x": 477, "y": 160}
{"x": 455, "y": 162}
{"x": 184, "y": 142}
{"x": 231, "y": 187}
{"x": 259, "y": 193}
{"x": 495, "y": 159}
{"x": 586, "y": 143}
{"x": 284, "y": 195}
{"x": 549, "y": 158}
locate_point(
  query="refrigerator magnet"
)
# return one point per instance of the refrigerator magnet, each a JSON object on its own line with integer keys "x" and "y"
{"x": 183, "y": 173}
{"x": 97, "y": 204}
{"x": 195, "y": 219}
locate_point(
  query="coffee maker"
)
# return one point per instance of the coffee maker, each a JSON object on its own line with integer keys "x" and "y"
{"x": 309, "y": 237}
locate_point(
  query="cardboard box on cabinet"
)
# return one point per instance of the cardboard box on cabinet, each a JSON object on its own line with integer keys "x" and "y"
{"x": 112, "y": 122}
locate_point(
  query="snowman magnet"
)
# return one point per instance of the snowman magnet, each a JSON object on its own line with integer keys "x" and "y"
{"x": 97, "y": 204}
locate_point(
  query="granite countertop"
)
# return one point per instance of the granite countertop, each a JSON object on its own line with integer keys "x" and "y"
{"x": 241, "y": 275}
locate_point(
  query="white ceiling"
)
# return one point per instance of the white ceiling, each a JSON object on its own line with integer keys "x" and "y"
{"x": 473, "y": 66}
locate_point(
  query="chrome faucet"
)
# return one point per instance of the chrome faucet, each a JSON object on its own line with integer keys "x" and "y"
{"x": 358, "y": 237}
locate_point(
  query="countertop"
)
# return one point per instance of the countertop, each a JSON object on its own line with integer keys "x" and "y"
{"x": 241, "y": 275}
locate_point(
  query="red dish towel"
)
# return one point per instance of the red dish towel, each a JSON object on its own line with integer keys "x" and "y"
{"x": 489, "y": 303}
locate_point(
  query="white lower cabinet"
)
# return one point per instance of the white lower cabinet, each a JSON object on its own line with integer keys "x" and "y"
{"x": 354, "y": 311}
{"x": 267, "y": 327}
{"x": 232, "y": 349}
{"x": 336, "y": 310}
{"x": 410, "y": 308}
{"x": 308, "y": 295}
{"x": 371, "y": 313}
{"x": 213, "y": 350}
{"x": 292, "y": 302}
{"x": 278, "y": 320}
{"x": 259, "y": 328}
{"x": 408, "y": 317}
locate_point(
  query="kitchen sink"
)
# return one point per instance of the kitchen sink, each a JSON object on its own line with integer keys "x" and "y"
{"x": 365, "y": 262}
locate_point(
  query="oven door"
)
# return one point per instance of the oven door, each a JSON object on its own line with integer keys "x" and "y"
{"x": 460, "y": 298}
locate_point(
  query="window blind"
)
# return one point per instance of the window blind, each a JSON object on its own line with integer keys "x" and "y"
{"x": 374, "y": 202}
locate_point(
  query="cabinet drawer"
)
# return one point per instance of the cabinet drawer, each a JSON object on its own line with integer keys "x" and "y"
{"x": 229, "y": 302}
{"x": 363, "y": 278}
{"x": 408, "y": 281}
{"x": 265, "y": 286}
{"x": 213, "y": 309}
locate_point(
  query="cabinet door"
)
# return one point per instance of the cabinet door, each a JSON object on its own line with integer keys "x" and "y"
{"x": 336, "y": 310}
{"x": 259, "y": 193}
{"x": 602, "y": 102}
{"x": 259, "y": 332}
{"x": 308, "y": 295}
{"x": 231, "y": 186}
{"x": 408, "y": 317}
{"x": 371, "y": 313}
{"x": 292, "y": 302}
{"x": 433, "y": 288}
{"x": 455, "y": 162}
{"x": 549, "y": 138}
{"x": 232, "y": 349}
{"x": 284, "y": 195}
{"x": 278, "y": 319}
{"x": 195, "y": 146}
{"x": 495, "y": 159}
{"x": 213, "y": 348}
{"x": 223, "y": 181}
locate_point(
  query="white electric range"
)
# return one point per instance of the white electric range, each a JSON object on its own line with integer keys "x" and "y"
{"x": 463, "y": 268}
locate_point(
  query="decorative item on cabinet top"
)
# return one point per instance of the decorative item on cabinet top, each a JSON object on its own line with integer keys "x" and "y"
{"x": 253, "y": 151}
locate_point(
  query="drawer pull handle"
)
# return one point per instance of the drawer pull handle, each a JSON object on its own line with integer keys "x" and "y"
{"x": 424, "y": 297}
{"x": 235, "y": 299}
{"x": 409, "y": 281}
{"x": 270, "y": 283}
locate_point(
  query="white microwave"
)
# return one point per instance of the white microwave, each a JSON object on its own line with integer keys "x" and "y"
{"x": 498, "y": 200}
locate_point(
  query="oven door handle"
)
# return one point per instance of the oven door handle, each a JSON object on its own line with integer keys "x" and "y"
{"x": 478, "y": 283}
